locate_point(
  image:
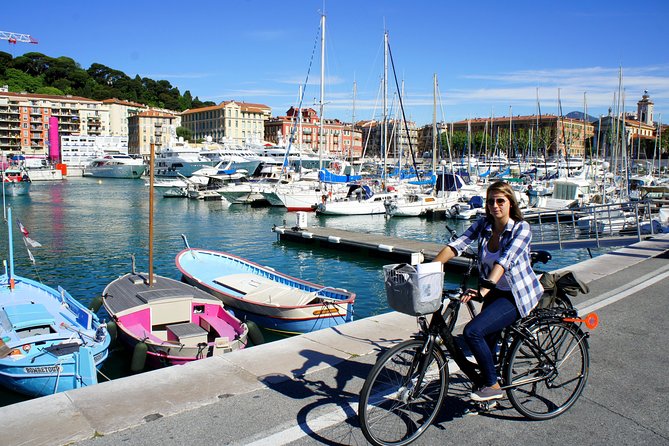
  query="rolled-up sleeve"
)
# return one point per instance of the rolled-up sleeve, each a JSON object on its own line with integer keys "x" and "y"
{"x": 520, "y": 244}
{"x": 467, "y": 237}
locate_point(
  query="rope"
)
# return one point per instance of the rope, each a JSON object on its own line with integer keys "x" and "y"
{"x": 104, "y": 376}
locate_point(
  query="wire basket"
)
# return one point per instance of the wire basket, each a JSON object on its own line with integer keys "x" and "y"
{"x": 412, "y": 293}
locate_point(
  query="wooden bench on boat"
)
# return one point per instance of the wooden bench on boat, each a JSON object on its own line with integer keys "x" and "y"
{"x": 265, "y": 291}
{"x": 186, "y": 333}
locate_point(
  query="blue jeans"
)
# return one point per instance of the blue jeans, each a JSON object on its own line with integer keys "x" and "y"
{"x": 481, "y": 333}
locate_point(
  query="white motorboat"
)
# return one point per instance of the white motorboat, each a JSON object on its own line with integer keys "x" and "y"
{"x": 417, "y": 204}
{"x": 179, "y": 158}
{"x": 116, "y": 165}
{"x": 360, "y": 200}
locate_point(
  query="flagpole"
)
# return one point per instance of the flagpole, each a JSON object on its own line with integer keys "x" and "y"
{"x": 11, "y": 247}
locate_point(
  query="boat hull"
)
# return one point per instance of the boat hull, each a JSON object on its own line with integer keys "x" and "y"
{"x": 52, "y": 343}
{"x": 273, "y": 300}
{"x": 15, "y": 189}
{"x": 35, "y": 377}
{"x": 176, "y": 322}
{"x": 124, "y": 171}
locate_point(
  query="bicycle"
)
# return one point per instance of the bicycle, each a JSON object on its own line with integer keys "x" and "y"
{"x": 543, "y": 363}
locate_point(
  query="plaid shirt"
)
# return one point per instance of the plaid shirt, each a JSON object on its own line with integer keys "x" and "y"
{"x": 514, "y": 257}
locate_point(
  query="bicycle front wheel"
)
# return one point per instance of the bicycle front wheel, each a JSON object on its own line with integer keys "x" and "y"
{"x": 547, "y": 373}
{"x": 394, "y": 407}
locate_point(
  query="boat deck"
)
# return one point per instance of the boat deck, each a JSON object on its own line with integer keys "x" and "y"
{"x": 261, "y": 290}
{"x": 132, "y": 290}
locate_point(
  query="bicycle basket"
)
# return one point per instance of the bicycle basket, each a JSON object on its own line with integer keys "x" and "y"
{"x": 412, "y": 293}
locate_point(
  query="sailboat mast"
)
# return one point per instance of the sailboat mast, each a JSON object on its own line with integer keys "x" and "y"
{"x": 434, "y": 124}
{"x": 384, "y": 131}
{"x": 299, "y": 125}
{"x": 350, "y": 151}
{"x": 321, "y": 104}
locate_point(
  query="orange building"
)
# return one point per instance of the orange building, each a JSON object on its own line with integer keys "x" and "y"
{"x": 338, "y": 138}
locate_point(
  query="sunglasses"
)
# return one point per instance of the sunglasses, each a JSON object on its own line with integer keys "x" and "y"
{"x": 499, "y": 201}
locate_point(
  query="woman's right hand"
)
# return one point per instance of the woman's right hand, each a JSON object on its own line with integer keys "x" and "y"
{"x": 469, "y": 295}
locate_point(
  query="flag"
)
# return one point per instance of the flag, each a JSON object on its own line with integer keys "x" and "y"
{"x": 27, "y": 240}
{"x": 30, "y": 254}
{"x": 22, "y": 228}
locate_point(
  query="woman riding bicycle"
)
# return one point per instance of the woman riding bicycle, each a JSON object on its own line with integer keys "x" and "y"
{"x": 508, "y": 286}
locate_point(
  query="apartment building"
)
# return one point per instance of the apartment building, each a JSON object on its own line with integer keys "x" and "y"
{"x": 339, "y": 138}
{"x": 24, "y": 119}
{"x": 119, "y": 112}
{"x": 143, "y": 130}
{"x": 236, "y": 121}
{"x": 516, "y": 134}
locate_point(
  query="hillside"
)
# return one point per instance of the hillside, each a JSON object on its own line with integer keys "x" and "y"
{"x": 41, "y": 74}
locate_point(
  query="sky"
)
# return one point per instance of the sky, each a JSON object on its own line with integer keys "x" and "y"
{"x": 491, "y": 58}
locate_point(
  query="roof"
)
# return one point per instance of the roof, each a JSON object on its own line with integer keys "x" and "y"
{"x": 245, "y": 106}
{"x": 154, "y": 114}
{"x": 47, "y": 96}
{"x": 121, "y": 102}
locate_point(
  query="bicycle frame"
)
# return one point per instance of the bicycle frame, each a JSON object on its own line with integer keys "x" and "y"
{"x": 438, "y": 327}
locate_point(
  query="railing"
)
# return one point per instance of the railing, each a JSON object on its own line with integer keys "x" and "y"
{"x": 594, "y": 225}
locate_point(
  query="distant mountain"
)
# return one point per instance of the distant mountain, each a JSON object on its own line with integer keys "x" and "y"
{"x": 579, "y": 116}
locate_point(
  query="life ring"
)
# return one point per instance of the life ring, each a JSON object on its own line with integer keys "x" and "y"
{"x": 336, "y": 166}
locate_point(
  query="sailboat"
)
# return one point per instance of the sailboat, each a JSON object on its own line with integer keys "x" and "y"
{"x": 167, "y": 322}
{"x": 49, "y": 342}
{"x": 306, "y": 194}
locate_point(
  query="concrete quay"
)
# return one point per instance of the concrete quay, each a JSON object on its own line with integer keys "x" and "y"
{"x": 303, "y": 390}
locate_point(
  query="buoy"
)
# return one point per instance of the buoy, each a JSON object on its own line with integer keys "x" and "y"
{"x": 96, "y": 303}
{"x": 112, "y": 329}
{"x": 255, "y": 334}
{"x": 138, "y": 357}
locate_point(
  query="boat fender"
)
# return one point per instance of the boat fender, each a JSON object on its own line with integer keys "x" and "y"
{"x": 255, "y": 334}
{"x": 96, "y": 303}
{"x": 112, "y": 329}
{"x": 138, "y": 360}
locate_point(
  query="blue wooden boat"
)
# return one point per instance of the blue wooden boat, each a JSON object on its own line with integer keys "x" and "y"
{"x": 49, "y": 342}
{"x": 273, "y": 300}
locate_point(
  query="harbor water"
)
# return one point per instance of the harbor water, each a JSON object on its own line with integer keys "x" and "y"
{"x": 89, "y": 228}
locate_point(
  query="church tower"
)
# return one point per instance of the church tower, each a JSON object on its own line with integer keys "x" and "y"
{"x": 645, "y": 109}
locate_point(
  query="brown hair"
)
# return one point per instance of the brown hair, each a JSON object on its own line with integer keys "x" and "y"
{"x": 504, "y": 188}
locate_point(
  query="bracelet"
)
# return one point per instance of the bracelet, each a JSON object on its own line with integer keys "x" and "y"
{"x": 488, "y": 284}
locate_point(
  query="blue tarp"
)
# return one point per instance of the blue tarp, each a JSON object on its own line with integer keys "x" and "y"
{"x": 326, "y": 176}
{"x": 476, "y": 202}
{"x": 449, "y": 182}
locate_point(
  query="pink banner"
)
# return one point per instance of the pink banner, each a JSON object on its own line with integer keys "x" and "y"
{"x": 54, "y": 140}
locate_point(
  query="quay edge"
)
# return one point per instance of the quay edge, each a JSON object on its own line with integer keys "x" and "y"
{"x": 133, "y": 401}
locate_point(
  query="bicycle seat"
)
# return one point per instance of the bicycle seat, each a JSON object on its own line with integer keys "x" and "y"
{"x": 540, "y": 256}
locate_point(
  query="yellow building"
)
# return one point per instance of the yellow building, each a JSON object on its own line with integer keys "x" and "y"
{"x": 232, "y": 120}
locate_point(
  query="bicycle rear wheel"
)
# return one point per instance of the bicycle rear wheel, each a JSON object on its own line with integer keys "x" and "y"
{"x": 394, "y": 408}
{"x": 545, "y": 385}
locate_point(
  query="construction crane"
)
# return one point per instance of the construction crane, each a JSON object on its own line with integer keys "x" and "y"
{"x": 13, "y": 38}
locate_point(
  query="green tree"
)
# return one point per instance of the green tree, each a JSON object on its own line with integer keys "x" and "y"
{"x": 50, "y": 90}
{"x": 18, "y": 81}
{"x": 34, "y": 64}
{"x": 183, "y": 132}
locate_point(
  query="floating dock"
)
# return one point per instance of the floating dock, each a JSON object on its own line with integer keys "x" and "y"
{"x": 416, "y": 251}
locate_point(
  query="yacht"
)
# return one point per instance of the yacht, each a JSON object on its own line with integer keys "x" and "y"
{"x": 179, "y": 158}
{"x": 236, "y": 156}
{"x": 115, "y": 165}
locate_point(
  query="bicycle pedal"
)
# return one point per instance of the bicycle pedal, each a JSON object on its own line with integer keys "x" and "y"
{"x": 482, "y": 407}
